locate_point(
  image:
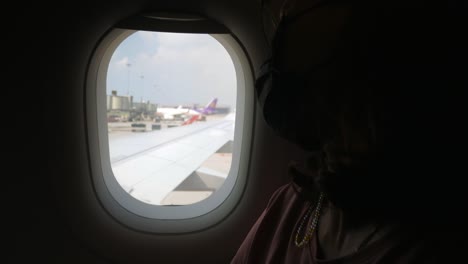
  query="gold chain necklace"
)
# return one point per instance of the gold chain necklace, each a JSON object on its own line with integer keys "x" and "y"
{"x": 312, "y": 226}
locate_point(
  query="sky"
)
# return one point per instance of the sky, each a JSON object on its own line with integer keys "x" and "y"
{"x": 173, "y": 69}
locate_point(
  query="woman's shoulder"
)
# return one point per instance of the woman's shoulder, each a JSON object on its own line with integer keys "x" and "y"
{"x": 285, "y": 193}
{"x": 273, "y": 227}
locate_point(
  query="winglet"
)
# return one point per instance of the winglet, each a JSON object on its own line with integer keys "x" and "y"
{"x": 191, "y": 120}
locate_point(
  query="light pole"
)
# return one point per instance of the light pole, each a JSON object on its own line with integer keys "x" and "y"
{"x": 142, "y": 87}
{"x": 154, "y": 93}
{"x": 128, "y": 77}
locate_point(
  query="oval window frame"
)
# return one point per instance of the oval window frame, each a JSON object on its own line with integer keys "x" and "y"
{"x": 165, "y": 219}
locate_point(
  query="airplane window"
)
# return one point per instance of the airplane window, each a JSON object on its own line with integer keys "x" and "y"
{"x": 171, "y": 110}
{"x": 169, "y": 119}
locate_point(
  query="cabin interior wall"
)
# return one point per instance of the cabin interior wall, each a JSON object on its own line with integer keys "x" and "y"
{"x": 55, "y": 219}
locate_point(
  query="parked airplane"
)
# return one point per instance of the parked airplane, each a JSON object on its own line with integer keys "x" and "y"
{"x": 75, "y": 193}
{"x": 170, "y": 113}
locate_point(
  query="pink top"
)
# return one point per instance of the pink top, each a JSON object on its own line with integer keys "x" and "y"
{"x": 271, "y": 239}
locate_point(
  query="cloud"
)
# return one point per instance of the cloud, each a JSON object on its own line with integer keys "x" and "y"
{"x": 148, "y": 37}
{"x": 177, "y": 68}
{"x": 122, "y": 62}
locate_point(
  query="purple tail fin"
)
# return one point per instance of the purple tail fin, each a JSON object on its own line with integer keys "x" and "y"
{"x": 210, "y": 108}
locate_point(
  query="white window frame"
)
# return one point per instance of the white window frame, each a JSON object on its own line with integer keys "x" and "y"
{"x": 154, "y": 218}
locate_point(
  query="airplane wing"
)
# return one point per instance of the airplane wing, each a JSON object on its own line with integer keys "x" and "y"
{"x": 151, "y": 165}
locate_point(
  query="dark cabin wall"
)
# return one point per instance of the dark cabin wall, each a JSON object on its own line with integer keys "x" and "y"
{"x": 49, "y": 217}
{"x": 53, "y": 220}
